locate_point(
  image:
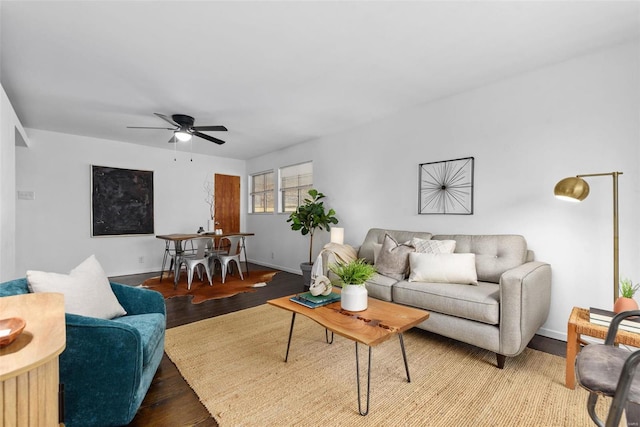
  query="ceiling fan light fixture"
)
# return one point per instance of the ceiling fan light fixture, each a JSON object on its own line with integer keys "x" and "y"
{"x": 183, "y": 136}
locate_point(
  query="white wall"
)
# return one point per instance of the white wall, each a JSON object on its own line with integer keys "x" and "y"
{"x": 526, "y": 133}
{"x": 53, "y": 231}
{"x": 11, "y": 134}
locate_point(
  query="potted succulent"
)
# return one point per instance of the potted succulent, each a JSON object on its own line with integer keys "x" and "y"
{"x": 626, "y": 301}
{"x": 352, "y": 277}
{"x": 307, "y": 218}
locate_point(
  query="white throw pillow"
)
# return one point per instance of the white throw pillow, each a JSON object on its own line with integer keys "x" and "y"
{"x": 433, "y": 246}
{"x": 443, "y": 268}
{"x": 86, "y": 290}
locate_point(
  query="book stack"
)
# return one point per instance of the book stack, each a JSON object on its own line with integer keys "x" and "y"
{"x": 312, "y": 301}
{"x": 603, "y": 318}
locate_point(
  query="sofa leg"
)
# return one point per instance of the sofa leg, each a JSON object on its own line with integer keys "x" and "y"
{"x": 501, "y": 359}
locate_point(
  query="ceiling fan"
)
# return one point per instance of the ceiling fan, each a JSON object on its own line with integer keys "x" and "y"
{"x": 184, "y": 129}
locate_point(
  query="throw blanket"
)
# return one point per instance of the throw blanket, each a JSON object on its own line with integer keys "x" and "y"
{"x": 341, "y": 253}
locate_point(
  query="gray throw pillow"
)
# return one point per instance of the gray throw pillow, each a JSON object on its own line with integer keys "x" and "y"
{"x": 393, "y": 259}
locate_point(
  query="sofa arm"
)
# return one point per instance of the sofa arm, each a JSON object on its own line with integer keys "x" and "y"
{"x": 136, "y": 300}
{"x": 105, "y": 358}
{"x": 525, "y": 298}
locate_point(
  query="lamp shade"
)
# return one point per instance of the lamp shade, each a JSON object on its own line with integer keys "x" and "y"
{"x": 573, "y": 189}
{"x": 337, "y": 235}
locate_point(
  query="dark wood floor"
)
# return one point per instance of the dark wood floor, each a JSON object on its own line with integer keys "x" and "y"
{"x": 171, "y": 402}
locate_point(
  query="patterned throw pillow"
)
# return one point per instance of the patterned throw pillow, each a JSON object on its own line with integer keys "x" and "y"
{"x": 433, "y": 246}
{"x": 393, "y": 259}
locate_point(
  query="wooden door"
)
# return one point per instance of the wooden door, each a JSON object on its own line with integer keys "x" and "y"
{"x": 227, "y": 202}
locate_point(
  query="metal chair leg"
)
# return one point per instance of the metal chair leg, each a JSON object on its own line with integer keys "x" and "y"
{"x": 591, "y": 408}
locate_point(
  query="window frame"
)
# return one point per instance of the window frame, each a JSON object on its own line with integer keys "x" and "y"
{"x": 264, "y": 193}
{"x": 301, "y": 190}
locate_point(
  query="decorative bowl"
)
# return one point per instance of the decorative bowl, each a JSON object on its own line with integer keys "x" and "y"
{"x": 10, "y": 329}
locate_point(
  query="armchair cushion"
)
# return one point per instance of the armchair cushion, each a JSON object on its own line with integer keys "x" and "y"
{"x": 150, "y": 326}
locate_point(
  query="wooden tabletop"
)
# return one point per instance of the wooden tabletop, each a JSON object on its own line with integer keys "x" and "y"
{"x": 372, "y": 326}
{"x": 42, "y": 339}
{"x": 177, "y": 236}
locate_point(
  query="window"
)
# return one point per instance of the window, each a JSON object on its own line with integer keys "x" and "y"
{"x": 262, "y": 192}
{"x": 295, "y": 182}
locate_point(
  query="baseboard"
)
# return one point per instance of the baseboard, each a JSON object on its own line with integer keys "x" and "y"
{"x": 277, "y": 267}
{"x": 550, "y": 333}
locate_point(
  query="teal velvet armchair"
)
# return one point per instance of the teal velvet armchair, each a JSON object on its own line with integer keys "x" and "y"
{"x": 108, "y": 365}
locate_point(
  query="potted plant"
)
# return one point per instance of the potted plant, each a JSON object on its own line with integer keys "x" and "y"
{"x": 307, "y": 218}
{"x": 352, "y": 277}
{"x": 626, "y": 301}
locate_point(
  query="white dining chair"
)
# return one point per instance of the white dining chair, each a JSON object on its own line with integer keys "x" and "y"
{"x": 233, "y": 255}
{"x": 193, "y": 261}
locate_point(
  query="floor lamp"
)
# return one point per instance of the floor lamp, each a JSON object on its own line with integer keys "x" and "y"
{"x": 576, "y": 189}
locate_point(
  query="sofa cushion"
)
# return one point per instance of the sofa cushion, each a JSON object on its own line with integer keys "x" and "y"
{"x": 443, "y": 268}
{"x": 379, "y": 287}
{"x": 376, "y": 235}
{"x": 393, "y": 259}
{"x": 479, "y": 303}
{"x": 86, "y": 289}
{"x": 433, "y": 246}
{"x": 495, "y": 254}
{"x": 151, "y": 327}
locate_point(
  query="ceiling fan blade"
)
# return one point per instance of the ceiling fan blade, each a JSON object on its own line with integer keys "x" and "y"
{"x": 145, "y": 127}
{"x": 208, "y": 138}
{"x": 209, "y": 128}
{"x": 166, "y": 119}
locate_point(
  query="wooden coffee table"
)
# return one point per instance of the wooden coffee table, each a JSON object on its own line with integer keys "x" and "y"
{"x": 370, "y": 327}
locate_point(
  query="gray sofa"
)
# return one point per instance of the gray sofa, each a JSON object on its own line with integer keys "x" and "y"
{"x": 501, "y": 314}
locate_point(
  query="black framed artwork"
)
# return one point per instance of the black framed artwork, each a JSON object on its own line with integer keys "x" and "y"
{"x": 446, "y": 187}
{"x": 121, "y": 201}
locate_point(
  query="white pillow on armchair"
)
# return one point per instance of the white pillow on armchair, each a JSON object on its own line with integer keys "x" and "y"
{"x": 86, "y": 290}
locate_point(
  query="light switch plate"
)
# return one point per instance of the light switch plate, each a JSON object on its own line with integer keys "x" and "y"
{"x": 26, "y": 195}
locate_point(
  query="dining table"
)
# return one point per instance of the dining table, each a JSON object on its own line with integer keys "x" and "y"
{"x": 177, "y": 240}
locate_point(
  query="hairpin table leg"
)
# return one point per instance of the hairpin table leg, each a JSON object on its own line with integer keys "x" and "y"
{"x": 326, "y": 336}
{"x": 293, "y": 319}
{"x": 404, "y": 357}
{"x": 366, "y": 411}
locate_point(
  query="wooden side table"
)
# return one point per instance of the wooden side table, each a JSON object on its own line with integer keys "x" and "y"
{"x": 29, "y": 374}
{"x": 578, "y": 325}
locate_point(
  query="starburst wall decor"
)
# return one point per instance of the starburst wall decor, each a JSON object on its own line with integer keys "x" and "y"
{"x": 446, "y": 187}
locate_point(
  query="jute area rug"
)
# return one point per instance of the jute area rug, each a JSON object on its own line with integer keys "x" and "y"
{"x": 202, "y": 291}
{"x": 235, "y": 364}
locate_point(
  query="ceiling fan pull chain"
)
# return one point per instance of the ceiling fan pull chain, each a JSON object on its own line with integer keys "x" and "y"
{"x": 174, "y": 151}
{"x": 192, "y": 149}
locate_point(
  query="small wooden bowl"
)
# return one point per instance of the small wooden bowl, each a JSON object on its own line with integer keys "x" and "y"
{"x": 15, "y": 325}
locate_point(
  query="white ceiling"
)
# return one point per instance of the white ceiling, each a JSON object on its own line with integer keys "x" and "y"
{"x": 275, "y": 73}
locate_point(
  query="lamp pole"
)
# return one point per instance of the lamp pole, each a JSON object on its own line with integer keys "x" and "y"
{"x": 616, "y": 245}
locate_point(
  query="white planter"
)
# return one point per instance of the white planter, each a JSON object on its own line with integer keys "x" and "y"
{"x": 353, "y": 298}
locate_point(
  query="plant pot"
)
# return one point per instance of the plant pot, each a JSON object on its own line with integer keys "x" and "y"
{"x": 624, "y": 304}
{"x": 306, "y": 273}
{"x": 353, "y": 298}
